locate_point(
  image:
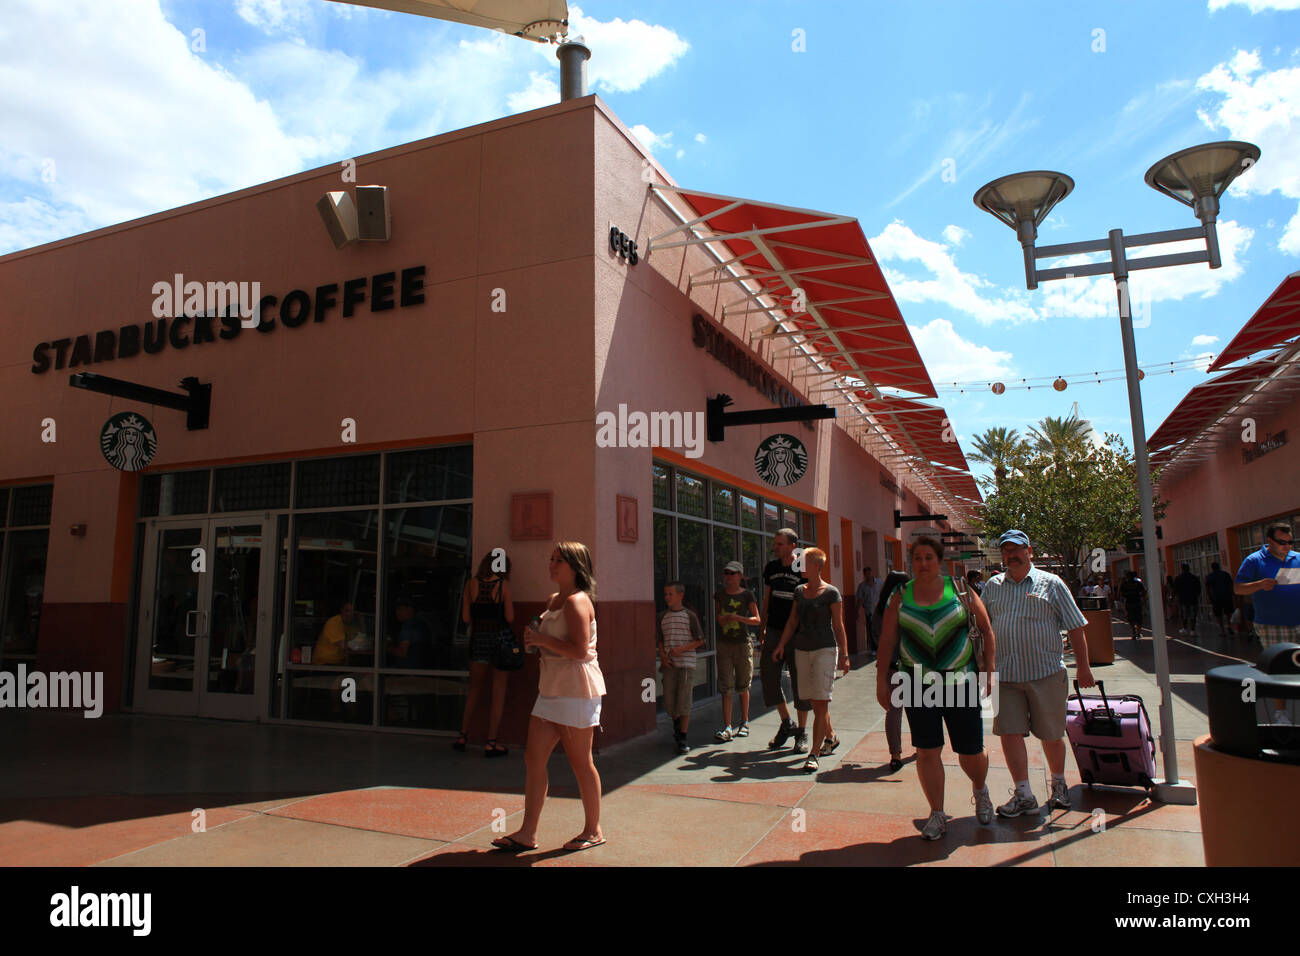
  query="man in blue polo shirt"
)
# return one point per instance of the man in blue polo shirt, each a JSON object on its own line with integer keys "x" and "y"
{"x": 1277, "y": 606}
{"x": 1028, "y": 609}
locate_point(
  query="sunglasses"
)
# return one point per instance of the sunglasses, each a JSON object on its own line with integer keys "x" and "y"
{"x": 1287, "y": 542}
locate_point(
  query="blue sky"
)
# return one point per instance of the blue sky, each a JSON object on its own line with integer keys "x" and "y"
{"x": 892, "y": 113}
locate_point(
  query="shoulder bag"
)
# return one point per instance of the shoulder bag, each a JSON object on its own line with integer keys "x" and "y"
{"x": 972, "y": 628}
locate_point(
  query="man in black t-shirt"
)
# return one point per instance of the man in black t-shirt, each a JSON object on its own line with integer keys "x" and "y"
{"x": 780, "y": 580}
{"x": 1218, "y": 586}
{"x": 1188, "y": 588}
{"x": 1134, "y": 593}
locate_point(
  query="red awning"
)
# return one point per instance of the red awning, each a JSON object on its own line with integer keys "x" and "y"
{"x": 814, "y": 278}
{"x": 849, "y": 317}
{"x": 1276, "y": 322}
{"x": 1203, "y": 405}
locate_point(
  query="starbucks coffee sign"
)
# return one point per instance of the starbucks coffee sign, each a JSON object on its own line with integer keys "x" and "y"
{"x": 781, "y": 460}
{"x": 128, "y": 441}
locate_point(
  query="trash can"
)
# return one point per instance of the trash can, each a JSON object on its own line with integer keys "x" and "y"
{"x": 1098, "y": 633}
{"x": 1248, "y": 767}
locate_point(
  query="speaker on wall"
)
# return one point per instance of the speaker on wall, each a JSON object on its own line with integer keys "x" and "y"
{"x": 373, "y": 220}
{"x": 339, "y": 214}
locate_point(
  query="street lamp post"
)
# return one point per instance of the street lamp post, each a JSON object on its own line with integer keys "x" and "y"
{"x": 1196, "y": 177}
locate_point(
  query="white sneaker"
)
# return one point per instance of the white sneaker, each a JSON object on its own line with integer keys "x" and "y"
{"x": 1018, "y": 805}
{"x": 936, "y": 826}
{"x": 983, "y": 806}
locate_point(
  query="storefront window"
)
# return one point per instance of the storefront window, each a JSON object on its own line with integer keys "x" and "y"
{"x": 755, "y": 557}
{"x": 662, "y": 488}
{"x": 335, "y": 482}
{"x": 430, "y": 474}
{"x": 427, "y": 565}
{"x": 333, "y": 606}
{"x": 724, "y": 504}
{"x": 23, "y": 589}
{"x": 252, "y": 488}
{"x": 749, "y": 512}
{"x": 771, "y": 518}
{"x": 690, "y": 496}
{"x": 427, "y": 703}
{"x": 319, "y": 695}
{"x": 176, "y": 493}
{"x": 31, "y": 506}
{"x": 4, "y": 505}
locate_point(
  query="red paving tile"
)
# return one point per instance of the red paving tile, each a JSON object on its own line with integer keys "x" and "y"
{"x": 771, "y": 794}
{"x": 428, "y": 814}
{"x": 843, "y": 838}
{"x": 70, "y": 832}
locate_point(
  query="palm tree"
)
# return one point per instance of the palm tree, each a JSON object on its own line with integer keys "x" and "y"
{"x": 1060, "y": 437}
{"x": 1000, "y": 449}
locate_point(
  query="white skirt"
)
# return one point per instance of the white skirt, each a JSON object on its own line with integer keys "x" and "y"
{"x": 569, "y": 711}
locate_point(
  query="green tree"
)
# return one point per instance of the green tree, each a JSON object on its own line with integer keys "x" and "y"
{"x": 999, "y": 448}
{"x": 1060, "y": 437}
{"x": 1070, "y": 499}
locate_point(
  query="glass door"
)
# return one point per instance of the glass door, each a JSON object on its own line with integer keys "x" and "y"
{"x": 202, "y": 619}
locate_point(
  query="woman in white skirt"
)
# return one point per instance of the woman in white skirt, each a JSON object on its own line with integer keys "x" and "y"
{"x": 568, "y": 697}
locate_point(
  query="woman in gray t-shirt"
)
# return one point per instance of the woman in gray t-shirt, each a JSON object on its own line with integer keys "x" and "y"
{"x": 816, "y": 624}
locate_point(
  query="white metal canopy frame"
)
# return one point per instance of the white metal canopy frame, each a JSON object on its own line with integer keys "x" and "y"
{"x": 543, "y": 21}
{"x": 796, "y": 284}
{"x": 1264, "y": 386}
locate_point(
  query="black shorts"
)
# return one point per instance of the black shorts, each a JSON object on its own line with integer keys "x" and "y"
{"x": 965, "y": 728}
{"x": 1222, "y": 608}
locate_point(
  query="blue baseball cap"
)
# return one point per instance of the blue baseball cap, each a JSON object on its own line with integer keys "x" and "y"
{"x": 1014, "y": 537}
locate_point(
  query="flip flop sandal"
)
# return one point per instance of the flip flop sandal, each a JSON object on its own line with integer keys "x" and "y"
{"x": 829, "y": 745}
{"x": 460, "y": 743}
{"x": 511, "y": 845}
{"x": 810, "y": 765}
{"x": 723, "y": 735}
{"x": 582, "y": 844}
{"x": 743, "y": 731}
{"x": 492, "y": 750}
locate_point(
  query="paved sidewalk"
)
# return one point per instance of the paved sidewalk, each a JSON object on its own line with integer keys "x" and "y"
{"x": 121, "y": 791}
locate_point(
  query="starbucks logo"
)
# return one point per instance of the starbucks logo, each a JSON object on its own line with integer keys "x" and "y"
{"x": 781, "y": 460}
{"x": 128, "y": 441}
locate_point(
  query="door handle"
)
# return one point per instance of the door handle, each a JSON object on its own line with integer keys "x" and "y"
{"x": 203, "y": 620}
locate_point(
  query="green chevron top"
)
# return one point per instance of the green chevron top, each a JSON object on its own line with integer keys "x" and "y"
{"x": 934, "y": 637}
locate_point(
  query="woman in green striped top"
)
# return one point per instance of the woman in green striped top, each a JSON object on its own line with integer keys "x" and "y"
{"x": 936, "y": 679}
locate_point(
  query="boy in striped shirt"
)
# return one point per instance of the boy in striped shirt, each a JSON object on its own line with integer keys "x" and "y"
{"x": 678, "y": 633}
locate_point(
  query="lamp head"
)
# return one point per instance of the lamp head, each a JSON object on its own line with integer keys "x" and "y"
{"x": 1024, "y": 200}
{"x": 1197, "y": 176}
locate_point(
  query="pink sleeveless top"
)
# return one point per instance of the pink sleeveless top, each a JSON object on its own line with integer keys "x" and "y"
{"x": 566, "y": 676}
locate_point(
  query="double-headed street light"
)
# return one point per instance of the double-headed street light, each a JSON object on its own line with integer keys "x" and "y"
{"x": 1196, "y": 177}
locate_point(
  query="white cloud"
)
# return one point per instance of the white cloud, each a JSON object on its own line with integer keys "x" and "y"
{"x": 955, "y": 235}
{"x": 135, "y": 122}
{"x": 1256, "y": 6}
{"x": 950, "y": 358}
{"x": 542, "y": 90}
{"x": 1205, "y": 339}
{"x": 650, "y": 139}
{"x": 625, "y": 55}
{"x": 1261, "y": 107}
{"x": 701, "y": 138}
{"x": 681, "y": 153}
{"x": 945, "y": 283}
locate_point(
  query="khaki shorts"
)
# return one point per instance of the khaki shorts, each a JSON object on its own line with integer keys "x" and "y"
{"x": 816, "y": 672}
{"x": 679, "y": 686}
{"x": 735, "y": 666}
{"x": 1036, "y": 706}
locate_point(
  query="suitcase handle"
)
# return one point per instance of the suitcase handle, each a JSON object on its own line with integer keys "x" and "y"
{"x": 1101, "y": 686}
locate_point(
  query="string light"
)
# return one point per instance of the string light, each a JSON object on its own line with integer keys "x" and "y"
{"x": 1105, "y": 375}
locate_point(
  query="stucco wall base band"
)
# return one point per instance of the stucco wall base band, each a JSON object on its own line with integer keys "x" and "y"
{"x": 85, "y": 637}
{"x": 1247, "y": 809}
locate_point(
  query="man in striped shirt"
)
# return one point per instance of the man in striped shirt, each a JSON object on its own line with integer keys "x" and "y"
{"x": 678, "y": 633}
{"x": 1028, "y": 609}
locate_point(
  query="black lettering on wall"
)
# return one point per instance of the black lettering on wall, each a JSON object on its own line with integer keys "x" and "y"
{"x": 412, "y": 286}
{"x": 381, "y": 291}
{"x": 105, "y": 345}
{"x": 202, "y": 329}
{"x": 128, "y": 341}
{"x": 41, "y": 358}
{"x": 325, "y": 300}
{"x": 173, "y": 337}
{"x": 295, "y": 309}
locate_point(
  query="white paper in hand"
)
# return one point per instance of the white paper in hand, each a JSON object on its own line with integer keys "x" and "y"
{"x": 1288, "y": 576}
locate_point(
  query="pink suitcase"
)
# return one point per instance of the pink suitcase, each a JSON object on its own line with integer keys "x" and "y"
{"x": 1111, "y": 739}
